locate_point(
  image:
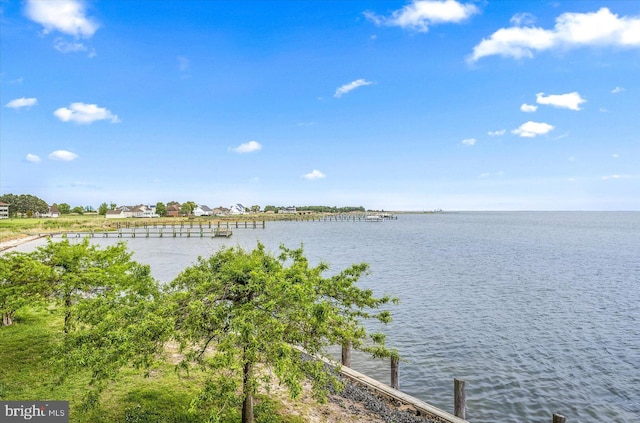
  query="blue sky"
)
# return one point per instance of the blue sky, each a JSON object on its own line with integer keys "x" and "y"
{"x": 454, "y": 105}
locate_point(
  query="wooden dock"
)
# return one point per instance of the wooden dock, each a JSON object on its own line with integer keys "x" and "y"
{"x": 160, "y": 231}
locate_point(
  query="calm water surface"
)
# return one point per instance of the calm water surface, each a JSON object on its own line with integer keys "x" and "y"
{"x": 539, "y": 312}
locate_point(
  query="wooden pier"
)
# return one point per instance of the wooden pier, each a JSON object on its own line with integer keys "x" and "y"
{"x": 183, "y": 230}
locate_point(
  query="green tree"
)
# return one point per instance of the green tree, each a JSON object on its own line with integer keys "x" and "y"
{"x": 64, "y": 208}
{"x": 270, "y": 208}
{"x": 237, "y": 308}
{"x": 255, "y": 209}
{"x": 161, "y": 209}
{"x": 112, "y": 206}
{"x": 22, "y": 282}
{"x": 78, "y": 210}
{"x": 188, "y": 207}
{"x": 24, "y": 204}
{"x": 113, "y": 310}
{"x": 102, "y": 209}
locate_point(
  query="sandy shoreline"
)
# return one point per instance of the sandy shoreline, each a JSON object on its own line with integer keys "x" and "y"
{"x": 6, "y": 245}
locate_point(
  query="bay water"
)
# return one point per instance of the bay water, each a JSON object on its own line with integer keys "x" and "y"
{"x": 539, "y": 312}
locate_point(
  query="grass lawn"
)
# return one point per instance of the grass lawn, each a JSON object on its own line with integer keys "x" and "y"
{"x": 164, "y": 396}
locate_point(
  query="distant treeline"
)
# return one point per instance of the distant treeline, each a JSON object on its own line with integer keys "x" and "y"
{"x": 318, "y": 209}
{"x": 327, "y": 209}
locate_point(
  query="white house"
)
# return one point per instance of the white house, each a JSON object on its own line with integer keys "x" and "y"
{"x": 115, "y": 214}
{"x": 202, "y": 210}
{"x": 53, "y": 212}
{"x": 237, "y": 209}
{"x": 140, "y": 211}
{"x": 288, "y": 210}
{"x": 4, "y": 210}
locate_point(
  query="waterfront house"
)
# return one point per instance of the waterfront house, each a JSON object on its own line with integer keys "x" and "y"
{"x": 115, "y": 214}
{"x": 288, "y": 210}
{"x": 4, "y": 210}
{"x": 173, "y": 210}
{"x": 53, "y": 212}
{"x": 143, "y": 211}
{"x": 220, "y": 211}
{"x": 238, "y": 209}
{"x": 202, "y": 210}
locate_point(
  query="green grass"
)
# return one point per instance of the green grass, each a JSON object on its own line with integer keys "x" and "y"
{"x": 164, "y": 396}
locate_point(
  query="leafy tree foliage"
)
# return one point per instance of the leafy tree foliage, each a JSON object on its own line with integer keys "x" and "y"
{"x": 78, "y": 210}
{"x": 255, "y": 209}
{"x": 22, "y": 282}
{"x": 161, "y": 209}
{"x": 24, "y": 204}
{"x": 102, "y": 209}
{"x": 112, "y": 309}
{"x": 327, "y": 209}
{"x": 270, "y": 208}
{"x": 188, "y": 207}
{"x": 64, "y": 208}
{"x": 237, "y": 309}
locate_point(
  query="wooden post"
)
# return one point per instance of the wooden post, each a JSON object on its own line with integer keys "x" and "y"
{"x": 559, "y": 418}
{"x": 458, "y": 398}
{"x": 395, "y": 380}
{"x": 346, "y": 354}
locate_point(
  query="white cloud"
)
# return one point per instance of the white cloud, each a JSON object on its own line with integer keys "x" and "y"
{"x": 497, "y": 174}
{"x": 85, "y": 113}
{"x": 63, "y": 155}
{"x": 617, "y": 90}
{"x": 615, "y": 156}
{"x": 32, "y": 158}
{"x": 497, "y": 133}
{"x": 183, "y": 63}
{"x": 469, "y": 141}
{"x": 419, "y": 14}
{"x": 19, "y": 103}
{"x": 528, "y": 108}
{"x": 571, "y": 30}
{"x": 531, "y": 129}
{"x": 351, "y": 86}
{"x": 66, "y": 47}
{"x": 314, "y": 174}
{"x": 522, "y": 19}
{"x": 570, "y": 101}
{"x": 66, "y": 16}
{"x": 616, "y": 176}
{"x": 248, "y": 147}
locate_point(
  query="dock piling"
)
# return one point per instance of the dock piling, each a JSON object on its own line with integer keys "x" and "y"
{"x": 395, "y": 377}
{"x": 346, "y": 354}
{"x": 459, "y": 398}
